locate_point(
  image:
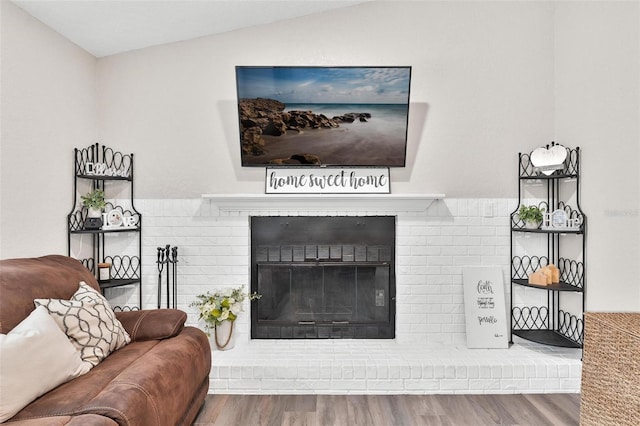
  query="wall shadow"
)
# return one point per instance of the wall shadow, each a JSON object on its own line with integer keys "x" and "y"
{"x": 228, "y": 109}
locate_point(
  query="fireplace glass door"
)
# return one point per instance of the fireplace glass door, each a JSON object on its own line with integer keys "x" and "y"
{"x": 325, "y": 293}
{"x": 317, "y": 282}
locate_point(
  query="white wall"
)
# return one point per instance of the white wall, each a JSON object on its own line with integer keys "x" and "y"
{"x": 48, "y": 108}
{"x": 482, "y": 89}
{"x": 597, "y": 103}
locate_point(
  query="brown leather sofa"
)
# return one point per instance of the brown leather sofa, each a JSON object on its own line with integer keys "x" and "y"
{"x": 160, "y": 378}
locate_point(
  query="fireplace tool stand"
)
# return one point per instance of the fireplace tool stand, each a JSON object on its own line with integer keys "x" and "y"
{"x": 168, "y": 257}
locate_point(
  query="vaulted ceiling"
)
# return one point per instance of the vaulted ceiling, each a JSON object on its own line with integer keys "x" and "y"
{"x": 107, "y": 27}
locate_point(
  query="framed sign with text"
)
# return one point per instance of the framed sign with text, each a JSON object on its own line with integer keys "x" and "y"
{"x": 484, "y": 307}
{"x": 327, "y": 180}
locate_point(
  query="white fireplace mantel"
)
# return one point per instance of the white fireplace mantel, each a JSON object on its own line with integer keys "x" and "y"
{"x": 329, "y": 202}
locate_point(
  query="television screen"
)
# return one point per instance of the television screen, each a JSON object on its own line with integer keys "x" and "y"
{"x": 334, "y": 116}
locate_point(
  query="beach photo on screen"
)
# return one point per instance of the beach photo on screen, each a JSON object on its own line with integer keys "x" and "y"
{"x": 338, "y": 116}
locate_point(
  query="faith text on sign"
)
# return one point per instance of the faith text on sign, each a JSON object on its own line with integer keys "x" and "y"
{"x": 484, "y": 307}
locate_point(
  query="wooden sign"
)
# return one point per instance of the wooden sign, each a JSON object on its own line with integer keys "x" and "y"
{"x": 327, "y": 180}
{"x": 484, "y": 307}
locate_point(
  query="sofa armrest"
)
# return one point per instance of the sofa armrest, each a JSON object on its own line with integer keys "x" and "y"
{"x": 152, "y": 324}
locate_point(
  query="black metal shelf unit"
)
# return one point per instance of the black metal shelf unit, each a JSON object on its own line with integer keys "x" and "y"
{"x": 100, "y": 167}
{"x": 549, "y": 323}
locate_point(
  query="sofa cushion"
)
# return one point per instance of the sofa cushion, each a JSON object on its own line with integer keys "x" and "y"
{"x": 90, "y": 323}
{"x": 35, "y": 357}
{"x": 136, "y": 385}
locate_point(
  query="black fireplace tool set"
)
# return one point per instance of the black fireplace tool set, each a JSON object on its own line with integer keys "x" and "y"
{"x": 168, "y": 257}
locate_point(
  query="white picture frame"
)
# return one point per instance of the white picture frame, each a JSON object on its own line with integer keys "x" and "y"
{"x": 114, "y": 218}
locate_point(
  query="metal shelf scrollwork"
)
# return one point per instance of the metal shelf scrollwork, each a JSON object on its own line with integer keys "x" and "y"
{"x": 571, "y": 272}
{"x": 551, "y": 323}
{"x": 517, "y": 224}
{"x": 571, "y": 327}
{"x": 103, "y": 164}
{"x": 522, "y": 266}
{"x": 98, "y": 164}
{"x": 530, "y": 317}
{"x": 534, "y": 323}
{"x": 90, "y": 264}
{"x": 77, "y": 218}
{"x": 124, "y": 267}
{"x": 570, "y": 166}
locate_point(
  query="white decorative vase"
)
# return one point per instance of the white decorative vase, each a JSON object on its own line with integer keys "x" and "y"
{"x": 222, "y": 336}
{"x": 529, "y": 224}
{"x": 93, "y": 212}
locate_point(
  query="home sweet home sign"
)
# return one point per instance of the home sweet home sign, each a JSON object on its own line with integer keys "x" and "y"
{"x": 326, "y": 180}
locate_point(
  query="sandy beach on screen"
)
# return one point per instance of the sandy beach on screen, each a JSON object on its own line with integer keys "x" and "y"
{"x": 351, "y": 144}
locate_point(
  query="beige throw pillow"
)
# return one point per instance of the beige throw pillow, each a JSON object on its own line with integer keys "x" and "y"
{"x": 35, "y": 357}
{"x": 89, "y": 322}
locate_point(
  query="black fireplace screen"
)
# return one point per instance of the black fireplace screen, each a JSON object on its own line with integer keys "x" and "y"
{"x": 323, "y": 277}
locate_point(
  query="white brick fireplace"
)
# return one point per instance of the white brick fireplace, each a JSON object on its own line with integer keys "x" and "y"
{"x": 435, "y": 239}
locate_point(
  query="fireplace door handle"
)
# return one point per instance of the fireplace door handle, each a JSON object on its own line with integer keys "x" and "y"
{"x": 306, "y": 323}
{"x": 340, "y": 322}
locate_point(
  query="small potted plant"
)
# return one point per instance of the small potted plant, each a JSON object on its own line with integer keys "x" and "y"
{"x": 531, "y": 215}
{"x": 219, "y": 311}
{"x": 94, "y": 202}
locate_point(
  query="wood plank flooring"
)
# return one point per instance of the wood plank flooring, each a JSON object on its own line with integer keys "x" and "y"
{"x": 390, "y": 410}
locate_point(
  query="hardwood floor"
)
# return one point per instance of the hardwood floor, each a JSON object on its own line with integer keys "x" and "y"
{"x": 390, "y": 410}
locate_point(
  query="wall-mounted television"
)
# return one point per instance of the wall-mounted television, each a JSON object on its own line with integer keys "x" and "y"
{"x": 323, "y": 116}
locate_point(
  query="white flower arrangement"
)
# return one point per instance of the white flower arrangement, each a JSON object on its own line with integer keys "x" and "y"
{"x": 224, "y": 305}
